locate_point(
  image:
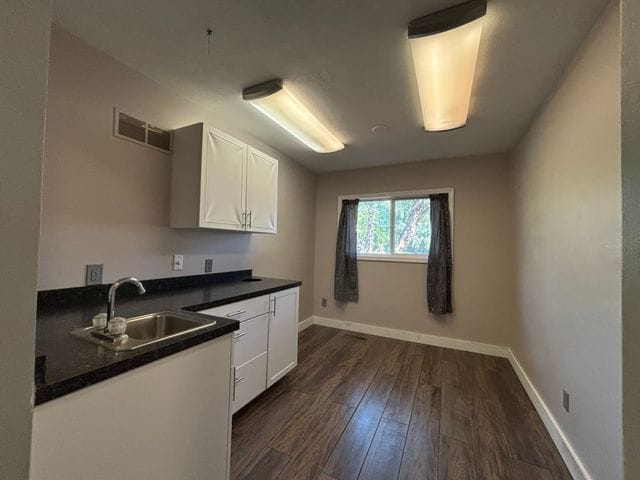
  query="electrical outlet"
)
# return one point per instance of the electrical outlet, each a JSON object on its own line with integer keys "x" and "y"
{"x": 565, "y": 400}
{"x": 178, "y": 262}
{"x": 94, "y": 274}
{"x": 208, "y": 265}
{"x": 323, "y": 302}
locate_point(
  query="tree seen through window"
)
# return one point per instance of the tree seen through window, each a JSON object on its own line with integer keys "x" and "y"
{"x": 401, "y": 226}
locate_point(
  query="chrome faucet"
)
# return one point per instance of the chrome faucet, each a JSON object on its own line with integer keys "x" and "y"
{"x": 111, "y": 302}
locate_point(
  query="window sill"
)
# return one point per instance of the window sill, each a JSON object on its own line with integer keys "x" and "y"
{"x": 392, "y": 258}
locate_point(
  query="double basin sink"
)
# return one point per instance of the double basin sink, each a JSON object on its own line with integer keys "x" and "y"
{"x": 145, "y": 330}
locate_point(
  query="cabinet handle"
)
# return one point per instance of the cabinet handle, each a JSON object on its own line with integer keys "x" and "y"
{"x": 235, "y": 314}
{"x": 274, "y": 306}
{"x": 244, "y": 220}
{"x": 237, "y": 380}
{"x": 250, "y": 218}
{"x": 234, "y": 384}
{"x": 238, "y": 335}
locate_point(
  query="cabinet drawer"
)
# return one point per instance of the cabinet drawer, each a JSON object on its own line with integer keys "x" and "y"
{"x": 251, "y": 340}
{"x": 241, "y": 310}
{"x": 250, "y": 381}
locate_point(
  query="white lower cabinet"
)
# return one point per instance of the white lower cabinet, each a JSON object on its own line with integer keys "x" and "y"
{"x": 243, "y": 310}
{"x": 265, "y": 348}
{"x": 250, "y": 340}
{"x": 249, "y": 381}
{"x": 250, "y": 360}
{"x": 283, "y": 335}
{"x": 167, "y": 420}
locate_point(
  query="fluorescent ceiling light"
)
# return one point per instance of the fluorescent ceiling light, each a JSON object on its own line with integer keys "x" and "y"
{"x": 281, "y": 106}
{"x": 445, "y": 49}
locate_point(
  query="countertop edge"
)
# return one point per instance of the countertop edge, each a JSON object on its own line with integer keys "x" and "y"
{"x": 238, "y": 298}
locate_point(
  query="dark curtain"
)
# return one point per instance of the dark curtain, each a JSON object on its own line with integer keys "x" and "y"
{"x": 440, "y": 264}
{"x": 346, "y": 274}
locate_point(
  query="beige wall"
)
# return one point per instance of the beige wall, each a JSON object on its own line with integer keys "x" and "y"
{"x": 630, "y": 13}
{"x": 394, "y": 294}
{"x": 106, "y": 200}
{"x": 568, "y": 231}
{"x": 24, "y": 36}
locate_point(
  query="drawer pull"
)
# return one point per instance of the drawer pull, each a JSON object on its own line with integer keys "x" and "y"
{"x": 239, "y": 379}
{"x": 238, "y": 335}
{"x": 235, "y": 314}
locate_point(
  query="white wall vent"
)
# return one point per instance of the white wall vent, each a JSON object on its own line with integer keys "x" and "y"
{"x": 130, "y": 128}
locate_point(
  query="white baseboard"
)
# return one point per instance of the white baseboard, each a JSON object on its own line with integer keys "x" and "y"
{"x": 569, "y": 455}
{"x": 305, "y": 324}
{"x": 446, "y": 342}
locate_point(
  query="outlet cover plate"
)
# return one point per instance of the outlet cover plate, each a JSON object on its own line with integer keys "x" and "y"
{"x": 208, "y": 265}
{"x": 178, "y": 262}
{"x": 94, "y": 274}
{"x": 565, "y": 400}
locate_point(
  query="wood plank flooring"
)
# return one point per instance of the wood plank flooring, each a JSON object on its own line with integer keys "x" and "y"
{"x": 365, "y": 407}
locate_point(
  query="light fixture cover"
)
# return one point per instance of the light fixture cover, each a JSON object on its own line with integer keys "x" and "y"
{"x": 274, "y": 100}
{"x": 445, "y": 47}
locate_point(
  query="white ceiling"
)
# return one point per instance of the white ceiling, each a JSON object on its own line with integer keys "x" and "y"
{"x": 349, "y": 60}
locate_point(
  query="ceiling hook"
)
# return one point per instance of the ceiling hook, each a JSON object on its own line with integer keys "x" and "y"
{"x": 209, "y": 35}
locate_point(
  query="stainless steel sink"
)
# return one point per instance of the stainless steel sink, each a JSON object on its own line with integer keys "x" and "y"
{"x": 145, "y": 330}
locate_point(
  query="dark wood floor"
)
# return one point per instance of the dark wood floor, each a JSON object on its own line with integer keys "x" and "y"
{"x": 359, "y": 406}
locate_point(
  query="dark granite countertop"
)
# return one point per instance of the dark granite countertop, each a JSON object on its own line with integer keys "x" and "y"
{"x": 72, "y": 363}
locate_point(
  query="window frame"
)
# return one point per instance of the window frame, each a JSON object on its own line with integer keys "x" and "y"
{"x": 409, "y": 194}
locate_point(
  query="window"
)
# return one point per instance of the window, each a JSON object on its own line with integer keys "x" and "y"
{"x": 395, "y": 226}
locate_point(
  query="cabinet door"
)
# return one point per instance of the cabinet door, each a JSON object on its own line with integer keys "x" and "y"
{"x": 283, "y": 335}
{"x": 262, "y": 192}
{"x": 222, "y": 197}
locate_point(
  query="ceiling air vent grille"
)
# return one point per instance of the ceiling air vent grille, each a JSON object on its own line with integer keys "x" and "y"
{"x": 141, "y": 132}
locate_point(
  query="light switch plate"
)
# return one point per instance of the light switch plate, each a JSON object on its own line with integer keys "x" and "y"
{"x": 94, "y": 274}
{"x": 178, "y": 262}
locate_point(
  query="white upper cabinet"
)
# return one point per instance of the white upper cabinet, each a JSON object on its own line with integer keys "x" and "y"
{"x": 220, "y": 182}
{"x": 223, "y": 192}
{"x": 262, "y": 192}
